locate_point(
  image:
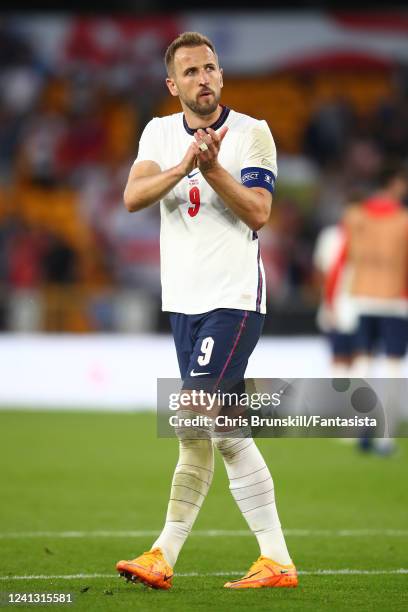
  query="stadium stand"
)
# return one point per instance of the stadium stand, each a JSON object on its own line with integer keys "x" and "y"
{"x": 69, "y": 132}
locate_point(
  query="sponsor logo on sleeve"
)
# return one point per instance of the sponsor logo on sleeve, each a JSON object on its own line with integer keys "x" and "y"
{"x": 269, "y": 179}
{"x": 250, "y": 176}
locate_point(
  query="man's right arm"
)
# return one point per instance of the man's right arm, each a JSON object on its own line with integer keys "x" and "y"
{"x": 147, "y": 184}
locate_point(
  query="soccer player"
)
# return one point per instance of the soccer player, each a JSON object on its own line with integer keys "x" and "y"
{"x": 376, "y": 247}
{"x": 214, "y": 171}
{"x": 336, "y": 316}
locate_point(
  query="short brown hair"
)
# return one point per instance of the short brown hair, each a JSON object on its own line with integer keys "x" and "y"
{"x": 187, "y": 39}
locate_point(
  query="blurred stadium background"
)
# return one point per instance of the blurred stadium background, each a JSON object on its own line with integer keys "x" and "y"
{"x": 80, "y": 319}
{"x": 79, "y": 276}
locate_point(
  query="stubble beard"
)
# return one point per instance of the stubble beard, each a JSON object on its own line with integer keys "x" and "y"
{"x": 203, "y": 110}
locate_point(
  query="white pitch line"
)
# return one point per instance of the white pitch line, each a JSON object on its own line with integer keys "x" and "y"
{"x": 316, "y": 572}
{"x": 341, "y": 533}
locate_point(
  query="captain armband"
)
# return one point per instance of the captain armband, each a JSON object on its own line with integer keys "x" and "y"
{"x": 258, "y": 177}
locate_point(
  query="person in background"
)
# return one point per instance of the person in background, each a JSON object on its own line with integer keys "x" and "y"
{"x": 336, "y": 316}
{"x": 376, "y": 248}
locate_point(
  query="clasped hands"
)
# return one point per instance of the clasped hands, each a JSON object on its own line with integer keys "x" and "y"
{"x": 207, "y": 146}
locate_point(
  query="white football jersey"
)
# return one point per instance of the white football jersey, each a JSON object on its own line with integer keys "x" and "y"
{"x": 342, "y": 315}
{"x": 209, "y": 257}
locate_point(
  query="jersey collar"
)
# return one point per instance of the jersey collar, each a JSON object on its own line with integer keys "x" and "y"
{"x": 215, "y": 126}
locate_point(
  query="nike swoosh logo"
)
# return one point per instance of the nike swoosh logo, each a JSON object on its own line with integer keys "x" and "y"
{"x": 192, "y": 373}
{"x": 193, "y": 174}
{"x": 247, "y": 577}
{"x": 167, "y": 577}
{"x": 252, "y": 575}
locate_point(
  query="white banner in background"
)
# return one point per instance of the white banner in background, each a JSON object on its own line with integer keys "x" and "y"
{"x": 120, "y": 372}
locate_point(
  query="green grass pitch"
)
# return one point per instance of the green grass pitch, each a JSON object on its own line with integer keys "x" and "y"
{"x": 87, "y": 473}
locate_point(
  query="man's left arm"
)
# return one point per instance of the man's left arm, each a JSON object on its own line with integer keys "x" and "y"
{"x": 252, "y": 205}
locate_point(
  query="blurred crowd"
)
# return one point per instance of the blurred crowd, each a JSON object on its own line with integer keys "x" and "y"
{"x": 68, "y": 135}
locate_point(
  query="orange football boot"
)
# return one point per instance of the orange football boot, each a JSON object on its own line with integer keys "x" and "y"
{"x": 151, "y": 568}
{"x": 266, "y": 573}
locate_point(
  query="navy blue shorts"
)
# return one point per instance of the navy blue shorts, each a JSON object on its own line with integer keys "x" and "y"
{"x": 384, "y": 333}
{"x": 213, "y": 348}
{"x": 342, "y": 345}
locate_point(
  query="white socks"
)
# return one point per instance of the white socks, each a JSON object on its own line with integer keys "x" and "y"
{"x": 191, "y": 482}
{"x": 252, "y": 487}
{"x": 250, "y": 483}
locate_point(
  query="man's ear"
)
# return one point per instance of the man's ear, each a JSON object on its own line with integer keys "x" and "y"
{"x": 171, "y": 84}
{"x": 221, "y": 77}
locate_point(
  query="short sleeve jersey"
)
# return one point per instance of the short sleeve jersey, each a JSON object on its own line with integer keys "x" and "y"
{"x": 209, "y": 257}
